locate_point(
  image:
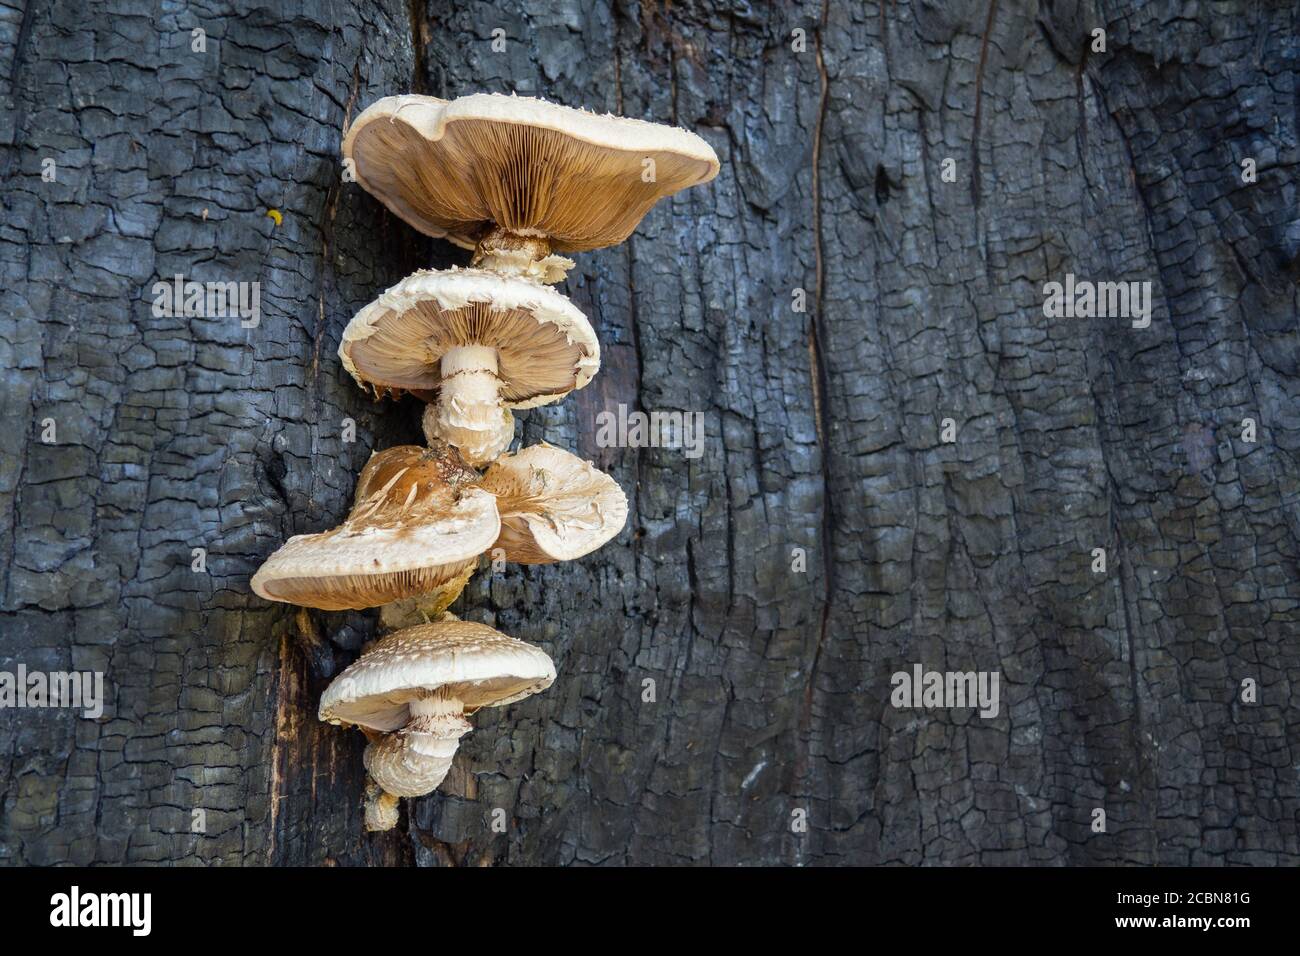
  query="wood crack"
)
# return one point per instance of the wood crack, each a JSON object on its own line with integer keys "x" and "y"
{"x": 979, "y": 96}
{"x": 820, "y": 387}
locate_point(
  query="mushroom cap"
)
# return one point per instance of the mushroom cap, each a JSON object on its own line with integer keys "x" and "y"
{"x": 472, "y": 662}
{"x": 418, "y": 525}
{"x": 453, "y": 168}
{"x": 554, "y": 506}
{"x": 545, "y": 346}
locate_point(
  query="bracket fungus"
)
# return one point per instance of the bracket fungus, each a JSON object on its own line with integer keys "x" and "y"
{"x": 416, "y": 686}
{"x": 418, "y": 525}
{"x": 485, "y": 343}
{"x": 554, "y": 506}
{"x": 517, "y": 178}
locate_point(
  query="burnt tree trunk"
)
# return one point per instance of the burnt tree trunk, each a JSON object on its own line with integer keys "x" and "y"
{"x": 922, "y": 282}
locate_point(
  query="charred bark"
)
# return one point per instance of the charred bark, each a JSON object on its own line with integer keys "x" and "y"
{"x": 921, "y": 282}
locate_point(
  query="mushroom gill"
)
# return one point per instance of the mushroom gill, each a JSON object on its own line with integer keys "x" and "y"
{"x": 553, "y": 505}
{"x": 517, "y": 178}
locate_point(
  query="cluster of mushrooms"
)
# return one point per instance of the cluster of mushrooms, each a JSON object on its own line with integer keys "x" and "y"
{"x": 517, "y": 180}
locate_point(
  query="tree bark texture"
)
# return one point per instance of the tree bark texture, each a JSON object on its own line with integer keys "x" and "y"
{"x": 771, "y": 687}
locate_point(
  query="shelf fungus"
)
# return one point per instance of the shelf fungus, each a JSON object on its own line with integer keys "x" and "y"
{"x": 553, "y": 505}
{"x": 519, "y": 179}
{"x": 417, "y": 686}
{"x": 483, "y": 343}
{"x": 417, "y": 527}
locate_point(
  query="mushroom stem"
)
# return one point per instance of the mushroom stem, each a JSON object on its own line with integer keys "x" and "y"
{"x": 515, "y": 254}
{"x": 414, "y": 760}
{"x": 381, "y": 812}
{"x": 436, "y": 726}
{"x": 469, "y": 413}
{"x": 423, "y": 608}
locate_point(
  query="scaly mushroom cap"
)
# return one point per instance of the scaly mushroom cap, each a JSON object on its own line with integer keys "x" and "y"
{"x": 554, "y": 506}
{"x": 417, "y": 526}
{"x": 471, "y": 662}
{"x": 574, "y": 179}
{"x": 544, "y": 344}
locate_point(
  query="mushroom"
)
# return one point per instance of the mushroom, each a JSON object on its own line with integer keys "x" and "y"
{"x": 417, "y": 526}
{"x": 517, "y": 178}
{"x": 553, "y": 505}
{"x": 416, "y": 686}
{"x": 381, "y": 810}
{"x": 486, "y": 343}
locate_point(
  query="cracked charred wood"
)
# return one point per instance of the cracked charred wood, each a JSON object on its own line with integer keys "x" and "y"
{"x": 908, "y": 466}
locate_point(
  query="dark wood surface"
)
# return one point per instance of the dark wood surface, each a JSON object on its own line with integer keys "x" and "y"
{"x": 924, "y": 301}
